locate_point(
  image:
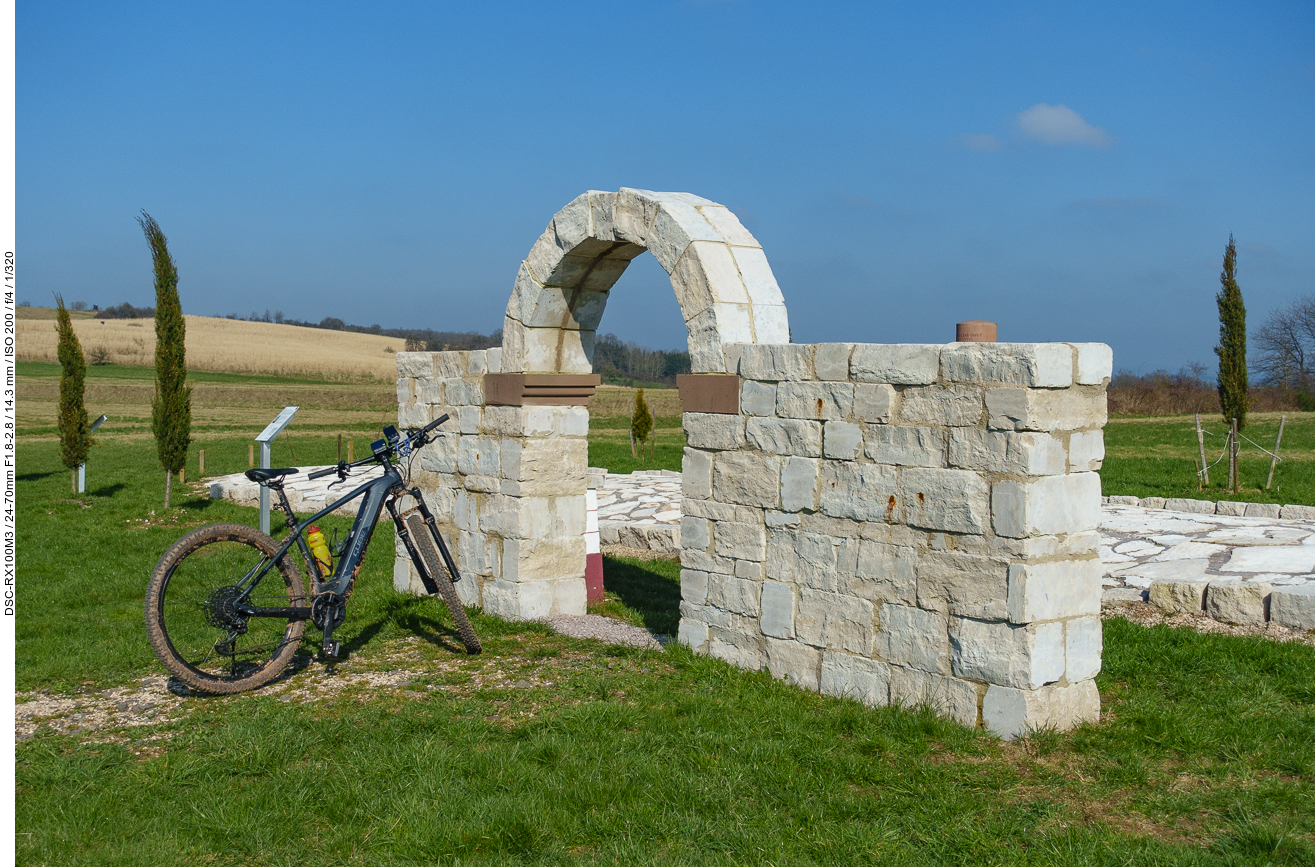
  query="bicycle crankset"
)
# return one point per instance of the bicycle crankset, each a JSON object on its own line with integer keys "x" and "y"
{"x": 328, "y": 611}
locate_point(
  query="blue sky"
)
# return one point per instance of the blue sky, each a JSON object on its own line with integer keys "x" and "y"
{"x": 1071, "y": 171}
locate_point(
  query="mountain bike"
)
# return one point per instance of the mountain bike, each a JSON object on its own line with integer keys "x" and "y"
{"x": 227, "y": 605}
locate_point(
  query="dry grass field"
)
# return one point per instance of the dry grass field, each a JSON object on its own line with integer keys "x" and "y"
{"x": 220, "y": 345}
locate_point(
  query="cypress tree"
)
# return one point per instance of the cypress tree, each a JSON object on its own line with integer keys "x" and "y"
{"x": 1232, "y": 348}
{"x": 74, "y": 427}
{"x": 641, "y": 422}
{"x": 171, "y": 407}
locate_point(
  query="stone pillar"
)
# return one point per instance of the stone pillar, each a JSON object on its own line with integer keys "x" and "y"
{"x": 907, "y": 524}
{"x": 506, "y": 483}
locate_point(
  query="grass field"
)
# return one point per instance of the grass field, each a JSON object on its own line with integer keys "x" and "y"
{"x": 550, "y": 750}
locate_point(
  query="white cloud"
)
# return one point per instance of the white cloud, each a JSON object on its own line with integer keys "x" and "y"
{"x": 1060, "y": 125}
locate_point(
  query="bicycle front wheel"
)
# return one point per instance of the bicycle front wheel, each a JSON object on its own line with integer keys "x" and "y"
{"x": 198, "y": 615}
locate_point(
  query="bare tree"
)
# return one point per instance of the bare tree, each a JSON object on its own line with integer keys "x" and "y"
{"x": 1285, "y": 346}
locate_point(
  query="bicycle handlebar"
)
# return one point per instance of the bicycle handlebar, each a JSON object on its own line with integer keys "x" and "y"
{"x": 342, "y": 467}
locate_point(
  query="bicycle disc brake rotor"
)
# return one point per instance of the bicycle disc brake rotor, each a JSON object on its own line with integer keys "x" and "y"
{"x": 328, "y": 608}
{"x": 221, "y": 610}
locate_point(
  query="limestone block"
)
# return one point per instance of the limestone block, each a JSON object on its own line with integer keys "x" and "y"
{"x": 1123, "y": 501}
{"x": 415, "y": 365}
{"x": 873, "y": 402}
{"x": 949, "y": 406}
{"x": 1261, "y": 510}
{"x": 735, "y": 649}
{"x": 864, "y": 492}
{"x": 734, "y": 322}
{"x": 796, "y": 557}
{"x": 706, "y": 274}
{"x": 966, "y": 585}
{"x": 676, "y": 226}
{"x": 771, "y": 323}
{"x": 1294, "y": 607}
{"x": 915, "y": 638}
{"x": 1046, "y": 506}
{"x": 777, "y": 610}
{"x": 739, "y": 541}
{"x": 1045, "y": 409}
{"x": 710, "y": 430}
{"x": 493, "y": 359}
{"x": 429, "y": 391}
{"x": 1086, "y": 451}
{"x": 856, "y": 677}
{"x": 571, "y": 223}
{"x": 406, "y": 390}
{"x": 1011, "y": 713}
{"x": 1011, "y": 655}
{"x": 1299, "y": 513}
{"x": 693, "y": 586}
{"x": 795, "y": 663}
{"x": 517, "y": 601}
{"x": 896, "y": 363}
{"x": 1178, "y": 597}
{"x": 509, "y": 458}
{"x": 842, "y": 440}
{"x": 451, "y": 364}
{"x": 1052, "y": 591}
{"x": 600, "y": 214}
{"x": 884, "y": 573}
{"x": 738, "y": 595}
{"x": 479, "y": 456}
{"x": 759, "y": 280}
{"x": 831, "y": 361}
{"x": 705, "y": 343}
{"x": 814, "y": 400}
{"x": 693, "y": 634}
{"x": 957, "y": 501}
{"x": 835, "y": 622}
{"x": 785, "y": 436}
{"x": 440, "y": 456}
{"x": 633, "y": 212}
{"x": 1232, "y": 601}
{"x": 476, "y": 554}
{"x": 715, "y": 511}
{"x": 536, "y": 560}
{"x": 774, "y": 363}
{"x": 1152, "y": 502}
{"x": 776, "y": 520}
{"x": 413, "y": 415}
{"x": 696, "y": 474}
{"x": 1082, "y": 648}
{"x": 695, "y": 533}
{"x": 1095, "y": 363}
{"x": 757, "y": 398}
{"x": 555, "y": 421}
{"x": 728, "y": 226}
{"x": 799, "y": 484}
{"x": 1039, "y": 365}
{"x": 464, "y": 392}
{"x": 747, "y": 479}
{"x": 945, "y": 696}
{"x": 1033, "y": 454}
{"x": 569, "y": 596}
{"x": 906, "y": 446}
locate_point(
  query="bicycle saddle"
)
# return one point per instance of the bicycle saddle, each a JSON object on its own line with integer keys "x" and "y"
{"x": 263, "y": 475}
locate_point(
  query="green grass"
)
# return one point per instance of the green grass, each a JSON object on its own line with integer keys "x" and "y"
{"x": 1155, "y": 458}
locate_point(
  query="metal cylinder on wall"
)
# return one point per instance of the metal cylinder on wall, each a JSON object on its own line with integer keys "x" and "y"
{"x": 975, "y": 331}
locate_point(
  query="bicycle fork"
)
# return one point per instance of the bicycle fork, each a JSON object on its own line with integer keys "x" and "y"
{"x": 404, "y": 534}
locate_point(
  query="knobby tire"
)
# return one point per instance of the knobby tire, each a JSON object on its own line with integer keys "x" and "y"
{"x": 425, "y": 545}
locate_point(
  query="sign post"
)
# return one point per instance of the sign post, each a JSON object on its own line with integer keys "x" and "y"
{"x": 82, "y": 467}
{"x": 265, "y": 438}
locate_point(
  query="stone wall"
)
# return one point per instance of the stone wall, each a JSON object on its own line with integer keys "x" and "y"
{"x": 506, "y": 484}
{"x": 905, "y": 524}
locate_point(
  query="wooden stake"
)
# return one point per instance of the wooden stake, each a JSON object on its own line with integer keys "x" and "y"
{"x": 339, "y": 448}
{"x": 251, "y": 455}
{"x": 1232, "y": 456}
{"x": 1198, "y": 473}
{"x": 182, "y": 476}
{"x": 200, "y": 458}
{"x": 351, "y": 452}
{"x": 1200, "y": 442}
{"x": 1274, "y": 458}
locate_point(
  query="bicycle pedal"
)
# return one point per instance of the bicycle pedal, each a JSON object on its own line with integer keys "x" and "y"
{"x": 331, "y": 649}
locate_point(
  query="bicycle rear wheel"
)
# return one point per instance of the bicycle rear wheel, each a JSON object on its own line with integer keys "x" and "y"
{"x": 194, "y": 611}
{"x": 425, "y": 545}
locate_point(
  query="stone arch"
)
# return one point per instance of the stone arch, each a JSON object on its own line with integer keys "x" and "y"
{"x": 725, "y": 287}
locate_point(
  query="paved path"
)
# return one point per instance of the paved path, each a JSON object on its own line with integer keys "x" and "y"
{"x": 1139, "y": 546}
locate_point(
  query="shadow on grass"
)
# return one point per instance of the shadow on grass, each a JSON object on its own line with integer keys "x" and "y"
{"x": 107, "y": 490}
{"x": 649, "y": 588}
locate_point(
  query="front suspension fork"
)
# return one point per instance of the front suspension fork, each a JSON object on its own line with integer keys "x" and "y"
{"x": 405, "y": 535}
